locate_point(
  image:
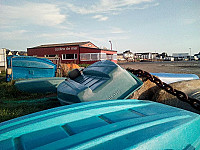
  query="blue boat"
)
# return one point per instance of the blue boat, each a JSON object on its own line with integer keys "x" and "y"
{"x": 39, "y": 85}
{"x": 175, "y": 77}
{"x": 100, "y": 81}
{"x": 26, "y": 67}
{"x": 110, "y": 124}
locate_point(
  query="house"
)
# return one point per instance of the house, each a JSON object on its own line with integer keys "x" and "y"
{"x": 128, "y": 55}
{"x": 120, "y": 57}
{"x": 78, "y": 52}
{"x": 181, "y": 56}
{"x": 3, "y": 64}
{"x": 198, "y": 55}
{"x": 22, "y": 53}
{"x": 8, "y": 52}
{"x": 145, "y": 56}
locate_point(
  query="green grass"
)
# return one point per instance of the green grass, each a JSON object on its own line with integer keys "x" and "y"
{"x": 14, "y": 103}
{"x": 13, "y": 110}
{"x": 84, "y": 65}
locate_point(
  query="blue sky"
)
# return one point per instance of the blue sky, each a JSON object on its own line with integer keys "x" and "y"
{"x": 170, "y": 26}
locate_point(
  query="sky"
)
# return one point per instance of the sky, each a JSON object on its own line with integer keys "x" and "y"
{"x": 171, "y": 26}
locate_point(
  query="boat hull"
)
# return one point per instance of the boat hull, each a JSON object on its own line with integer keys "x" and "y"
{"x": 110, "y": 124}
{"x": 100, "y": 81}
{"x": 175, "y": 77}
{"x": 40, "y": 85}
{"x": 27, "y": 67}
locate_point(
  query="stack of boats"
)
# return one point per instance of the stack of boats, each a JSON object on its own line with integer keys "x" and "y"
{"x": 102, "y": 117}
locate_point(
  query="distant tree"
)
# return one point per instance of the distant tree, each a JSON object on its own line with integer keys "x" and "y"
{"x": 164, "y": 55}
{"x": 103, "y": 47}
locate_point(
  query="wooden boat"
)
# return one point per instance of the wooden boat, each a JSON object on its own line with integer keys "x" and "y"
{"x": 110, "y": 124}
{"x": 39, "y": 85}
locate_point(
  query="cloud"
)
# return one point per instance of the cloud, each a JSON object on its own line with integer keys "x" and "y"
{"x": 147, "y": 6}
{"x": 43, "y": 14}
{"x": 190, "y": 21}
{"x": 116, "y": 30}
{"x": 17, "y": 34}
{"x": 106, "y": 6}
{"x": 100, "y": 18}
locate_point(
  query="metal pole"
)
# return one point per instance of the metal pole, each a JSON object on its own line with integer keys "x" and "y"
{"x": 190, "y": 54}
{"x": 110, "y": 45}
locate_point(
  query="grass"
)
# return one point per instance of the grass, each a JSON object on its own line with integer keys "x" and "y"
{"x": 13, "y": 110}
{"x": 84, "y": 65}
{"x": 14, "y": 103}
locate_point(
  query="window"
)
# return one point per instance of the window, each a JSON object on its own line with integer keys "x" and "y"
{"x": 89, "y": 56}
{"x": 50, "y": 55}
{"x": 69, "y": 56}
{"x": 102, "y": 56}
{"x": 109, "y": 57}
{"x": 95, "y": 56}
{"x": 114, "y": 56}
{"x": 85, "y": 57}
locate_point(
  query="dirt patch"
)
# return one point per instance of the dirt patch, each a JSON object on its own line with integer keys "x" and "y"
{"x": 188, "y": 67}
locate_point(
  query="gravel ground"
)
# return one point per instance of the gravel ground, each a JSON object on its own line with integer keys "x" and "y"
{"x": 188, "y": 67}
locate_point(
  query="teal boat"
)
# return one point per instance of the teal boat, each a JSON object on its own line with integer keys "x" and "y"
{"x": 110, "y": 124}
{"x": 28, "y": 67}
{"x": 102, "y": 80}
{"x": 39, "y": 85}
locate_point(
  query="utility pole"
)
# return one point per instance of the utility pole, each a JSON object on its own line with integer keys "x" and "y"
{"x": 190, "y": 53}
{"x": 110, "y": 45}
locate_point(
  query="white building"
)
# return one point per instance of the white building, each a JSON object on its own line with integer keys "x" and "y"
{"x": 181, "y": 56}
{"x": 3, "y": 64}
{"x": 145, "y": 56}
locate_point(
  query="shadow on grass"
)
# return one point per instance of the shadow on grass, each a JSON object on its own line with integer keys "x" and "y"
{"x": 12, "y": 110}
{"x": 11, "y": 105}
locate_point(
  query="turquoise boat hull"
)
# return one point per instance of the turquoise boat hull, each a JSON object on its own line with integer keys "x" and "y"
{"x": 27, "y": 67}
{"x": 101, "y": 80}
{"x": 110, "y": 124}
{"x": 40, "y": 85}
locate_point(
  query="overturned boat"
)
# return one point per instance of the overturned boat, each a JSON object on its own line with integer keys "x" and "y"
{"x": 111, "y": 124}
{"x": 105, "y": 80}
{"x": 39, "y": 85}
{"x": 102, "y": 80}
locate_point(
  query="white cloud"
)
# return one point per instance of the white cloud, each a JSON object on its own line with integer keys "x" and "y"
{"x": 32, "y": 13}
{"x": 17, "y": 34}
{"x": 105, "y": 6}
{"x": 190, "y": 21}
{"x": 116, "y": 30}
{"x": 100, "y": 17}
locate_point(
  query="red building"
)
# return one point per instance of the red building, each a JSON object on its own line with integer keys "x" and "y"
{"x": 79, "y": 53}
